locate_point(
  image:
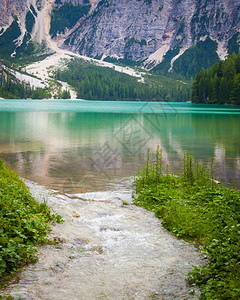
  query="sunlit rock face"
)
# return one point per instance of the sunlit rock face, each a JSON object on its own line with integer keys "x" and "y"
{"x": 139, "y": 30}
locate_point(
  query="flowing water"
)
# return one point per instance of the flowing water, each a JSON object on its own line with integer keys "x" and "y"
{"x": 80, "y": 156}
{"x": 108, "y": 251}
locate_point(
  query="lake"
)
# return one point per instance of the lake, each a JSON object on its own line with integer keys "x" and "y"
{"x": 80, "y": 146}
{"x": 87, "y": 152}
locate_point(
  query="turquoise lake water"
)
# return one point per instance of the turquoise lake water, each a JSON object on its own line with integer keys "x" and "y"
{"x": 87, "y": 145}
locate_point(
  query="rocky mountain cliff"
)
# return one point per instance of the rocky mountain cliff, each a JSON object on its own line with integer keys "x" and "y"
{"x": 145, "y": 32}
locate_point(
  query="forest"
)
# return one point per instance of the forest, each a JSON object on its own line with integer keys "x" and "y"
{"x": 220, "y": 84}
{"x": 94, "y": 82}
{"x": 10, "y": 88}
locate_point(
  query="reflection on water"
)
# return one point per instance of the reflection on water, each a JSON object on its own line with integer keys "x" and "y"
{"x": 79, "y": 151}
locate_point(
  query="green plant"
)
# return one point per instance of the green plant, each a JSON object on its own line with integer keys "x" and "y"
{"x": 24, "y": 223}
{"x": 195, "y": 207}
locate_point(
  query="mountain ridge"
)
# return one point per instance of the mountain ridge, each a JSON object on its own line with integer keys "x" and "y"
{"x": 145, "y": 32}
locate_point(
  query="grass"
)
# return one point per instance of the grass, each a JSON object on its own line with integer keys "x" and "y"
{"x": 24, "y": 223}
{"x": 193, "y": 206}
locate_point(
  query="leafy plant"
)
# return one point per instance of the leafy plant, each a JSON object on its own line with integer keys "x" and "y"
{"x": 24, "y": 223}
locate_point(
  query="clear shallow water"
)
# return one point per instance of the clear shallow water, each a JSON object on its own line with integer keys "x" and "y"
{"x": 79, "y": 146}
{"x": 108, "y": 251}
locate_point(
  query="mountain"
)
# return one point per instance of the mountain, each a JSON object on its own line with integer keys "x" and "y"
{"x": 178, "y": 36}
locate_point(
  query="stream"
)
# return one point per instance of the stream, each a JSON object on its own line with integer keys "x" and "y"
{"x": 107, "y": 250}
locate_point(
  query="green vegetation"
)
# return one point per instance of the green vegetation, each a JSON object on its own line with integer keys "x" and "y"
{"x": 164, "y": 66}
{"x": 193, "y": 206}
{"x": 65, "y": 95}
{"x": 29, "y": 51}
{"x": 66, "y": 16}
{"x": 24, "y": 223}
{"x": 131, "y": 41}
{"x": 120, "y": 61}
{"x": 10, "y": 88}
{"x": 203, "y": 54}
{"x": 233, "y": 44}
{"x": 220, "y": 84}
{"x": 32, "y": 9}
{"x": 29, "y": 22}
{"x": 94, "y": 82}
{"x": 7, "y": 46}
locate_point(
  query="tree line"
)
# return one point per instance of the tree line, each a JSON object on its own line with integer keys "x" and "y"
{"x": 220, "y": 84}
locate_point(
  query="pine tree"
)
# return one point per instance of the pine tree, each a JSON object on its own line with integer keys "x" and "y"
{"x": 223, "y": 96}
{"x": 235, "y": 91}
{"x": 238, "y": 63}
{"x": 229, "y": 67}
{"x": 215, "y": 89}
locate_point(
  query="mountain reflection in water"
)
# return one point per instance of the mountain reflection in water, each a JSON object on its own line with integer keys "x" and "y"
{"x": 84, "y": 151}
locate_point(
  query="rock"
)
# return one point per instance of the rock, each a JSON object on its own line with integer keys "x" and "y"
{"x": 75, "y": 215}
{"x": 136, "y": 29}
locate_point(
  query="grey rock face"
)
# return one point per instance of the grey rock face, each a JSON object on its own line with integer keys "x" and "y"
{"x": 136, "y": 29}
{"x": 133, "y": 29}
{"x": 9, "y": 8}
{"x": 141, "y": 30}
{"x": 219, "y": 19}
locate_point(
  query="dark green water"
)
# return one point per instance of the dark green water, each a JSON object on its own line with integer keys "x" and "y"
{"x": 82, "y": 145}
